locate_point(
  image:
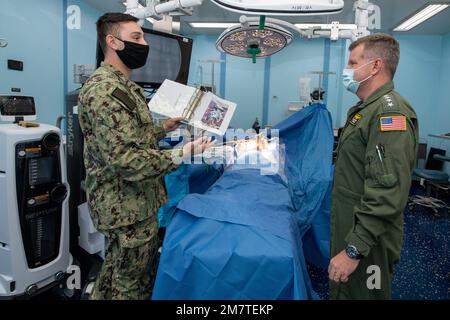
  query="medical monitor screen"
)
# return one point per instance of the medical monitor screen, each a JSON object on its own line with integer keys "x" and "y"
{"x": 169, "y": 58}
{"x": 17, "y": 106}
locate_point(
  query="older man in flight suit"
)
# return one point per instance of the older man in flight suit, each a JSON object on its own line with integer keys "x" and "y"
{"x": 124, "y": 166}
{"x": 376, "y": 156}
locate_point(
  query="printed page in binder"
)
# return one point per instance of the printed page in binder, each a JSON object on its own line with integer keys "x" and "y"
{"x": 213, "y": 114}
{"x": 202, "y": 110}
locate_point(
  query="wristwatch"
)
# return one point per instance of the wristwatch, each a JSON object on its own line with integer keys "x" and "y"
{"x": 353, "y": 253}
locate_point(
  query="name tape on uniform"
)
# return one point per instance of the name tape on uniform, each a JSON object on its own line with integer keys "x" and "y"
{"x": 356, "y": 119}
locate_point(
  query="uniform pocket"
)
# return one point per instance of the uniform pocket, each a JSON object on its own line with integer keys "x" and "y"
{"x": 136, "y": 245}
{"x": 380, "y": 170}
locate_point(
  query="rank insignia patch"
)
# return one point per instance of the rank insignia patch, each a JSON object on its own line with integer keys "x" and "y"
{"x": 388, "y": 101}
{"x": 394, "y": 123}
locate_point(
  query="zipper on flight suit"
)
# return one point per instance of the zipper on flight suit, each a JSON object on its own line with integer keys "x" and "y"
{"x": 346, "y": 127}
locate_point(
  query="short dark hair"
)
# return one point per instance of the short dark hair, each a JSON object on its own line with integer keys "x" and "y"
{"x": 380, "y": 45}
{"x": 109, "y": 23}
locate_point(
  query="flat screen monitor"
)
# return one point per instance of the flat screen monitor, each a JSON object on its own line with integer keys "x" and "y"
{"x": 169, "y": 58}
{"x": 12, "y": 107}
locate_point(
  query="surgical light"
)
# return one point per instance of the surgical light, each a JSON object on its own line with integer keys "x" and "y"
{"x": 248, "y": 41}
{"x": 423, "y": 15}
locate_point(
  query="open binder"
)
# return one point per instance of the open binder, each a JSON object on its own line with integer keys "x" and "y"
{"x": 203, "y": 110}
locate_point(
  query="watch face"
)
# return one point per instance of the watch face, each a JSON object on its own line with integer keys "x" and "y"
{"x": 352, "y": 252}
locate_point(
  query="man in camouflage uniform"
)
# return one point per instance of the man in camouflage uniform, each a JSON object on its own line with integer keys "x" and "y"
{"x": 376, "y": 156}
{"x": 124, "y": 166}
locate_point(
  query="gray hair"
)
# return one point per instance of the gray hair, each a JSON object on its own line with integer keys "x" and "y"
{"x": 383, "y": 46}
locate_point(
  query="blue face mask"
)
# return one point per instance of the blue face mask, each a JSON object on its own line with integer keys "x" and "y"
{"x": 348, "y": 77}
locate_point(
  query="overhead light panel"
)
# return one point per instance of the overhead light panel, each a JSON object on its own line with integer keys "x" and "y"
{"x": 325, "y": 26}
{"x": 282, "y": 7}
{"x": 421, "y": 16}
{"x": 212, "y": 25}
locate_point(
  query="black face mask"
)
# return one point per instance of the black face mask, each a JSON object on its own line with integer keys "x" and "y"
{"x": 134, "y": 55}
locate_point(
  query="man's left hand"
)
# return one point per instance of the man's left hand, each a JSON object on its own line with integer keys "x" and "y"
{"x": 172, "y": 124}
{"x": 341, "y": 267}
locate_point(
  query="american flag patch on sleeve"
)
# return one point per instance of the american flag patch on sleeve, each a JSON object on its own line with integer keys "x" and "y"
{"x": 394, "y": 123}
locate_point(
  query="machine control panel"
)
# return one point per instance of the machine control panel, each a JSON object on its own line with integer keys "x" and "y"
{"x": 40, "y": 194}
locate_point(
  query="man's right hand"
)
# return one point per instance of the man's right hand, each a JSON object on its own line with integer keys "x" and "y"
{"x": 196, "y": 146}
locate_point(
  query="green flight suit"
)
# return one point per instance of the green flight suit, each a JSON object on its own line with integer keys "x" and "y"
{"x": 124, "y": 180}
{"x": 370, "y": 190}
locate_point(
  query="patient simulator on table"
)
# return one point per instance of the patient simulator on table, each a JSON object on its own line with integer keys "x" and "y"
{"x": 244, "y": 229}
{"x": 250, "y": 150}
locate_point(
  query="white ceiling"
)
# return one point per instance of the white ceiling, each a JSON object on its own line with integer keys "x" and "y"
{"x": 392, "y": 13}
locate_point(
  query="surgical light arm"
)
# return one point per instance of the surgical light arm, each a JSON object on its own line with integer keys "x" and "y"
{"x": 335, "y": 31}
{"x": 155, "y": 9}
{"x": 362, "y": 8}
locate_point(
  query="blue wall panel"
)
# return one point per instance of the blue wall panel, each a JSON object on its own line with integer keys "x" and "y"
{"x": 82, "y": 42}
{"x": 35, "y": 36}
